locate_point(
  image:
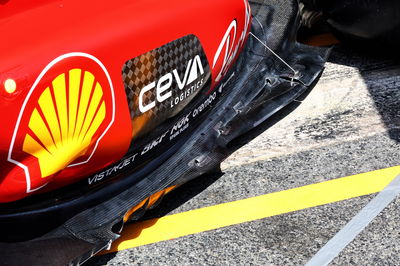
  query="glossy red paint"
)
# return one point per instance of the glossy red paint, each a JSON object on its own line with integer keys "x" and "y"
{"x": 35, "y": 33}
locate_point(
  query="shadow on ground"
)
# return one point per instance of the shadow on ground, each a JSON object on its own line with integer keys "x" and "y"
{"x": 382, "y": 78}
{"x": 189, "y": 190}
{"x": 381, "y": 74}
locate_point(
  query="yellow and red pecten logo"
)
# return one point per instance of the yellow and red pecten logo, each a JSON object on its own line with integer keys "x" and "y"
{"x": 63, "y": 118}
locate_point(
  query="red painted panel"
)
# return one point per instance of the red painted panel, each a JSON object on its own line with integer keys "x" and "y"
{"x": 107, "y": 34}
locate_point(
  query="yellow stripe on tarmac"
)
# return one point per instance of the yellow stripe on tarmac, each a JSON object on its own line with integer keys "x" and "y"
{"x": 209, "y": 218}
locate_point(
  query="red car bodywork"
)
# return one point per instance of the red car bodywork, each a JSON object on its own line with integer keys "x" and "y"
{"x": 46, "y": 44}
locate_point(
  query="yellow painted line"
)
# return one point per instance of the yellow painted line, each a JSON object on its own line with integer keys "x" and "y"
{"x": 213, "y": 217}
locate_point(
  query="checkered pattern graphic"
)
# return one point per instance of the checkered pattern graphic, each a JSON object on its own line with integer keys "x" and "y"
{"x": 151, "y": 66}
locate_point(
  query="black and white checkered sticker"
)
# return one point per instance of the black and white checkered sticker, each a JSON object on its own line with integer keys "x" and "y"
{"x": 160, "y": 83}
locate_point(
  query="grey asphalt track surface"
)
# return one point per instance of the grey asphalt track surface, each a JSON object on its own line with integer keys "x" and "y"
{"x": 348, "y": 124}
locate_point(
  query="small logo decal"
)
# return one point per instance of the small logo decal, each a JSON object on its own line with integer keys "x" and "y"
{"x": 227, "y": 51}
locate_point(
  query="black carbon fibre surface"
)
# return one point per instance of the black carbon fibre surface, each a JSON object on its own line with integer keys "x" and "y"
{"x": 225, "y": 117}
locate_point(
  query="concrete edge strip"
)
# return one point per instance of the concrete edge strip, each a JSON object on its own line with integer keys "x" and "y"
{"x": 350, "y": 231}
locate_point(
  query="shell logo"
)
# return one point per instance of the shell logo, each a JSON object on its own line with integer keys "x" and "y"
{"x": 64, "y": 117}
{"x": 72, "y": 121}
